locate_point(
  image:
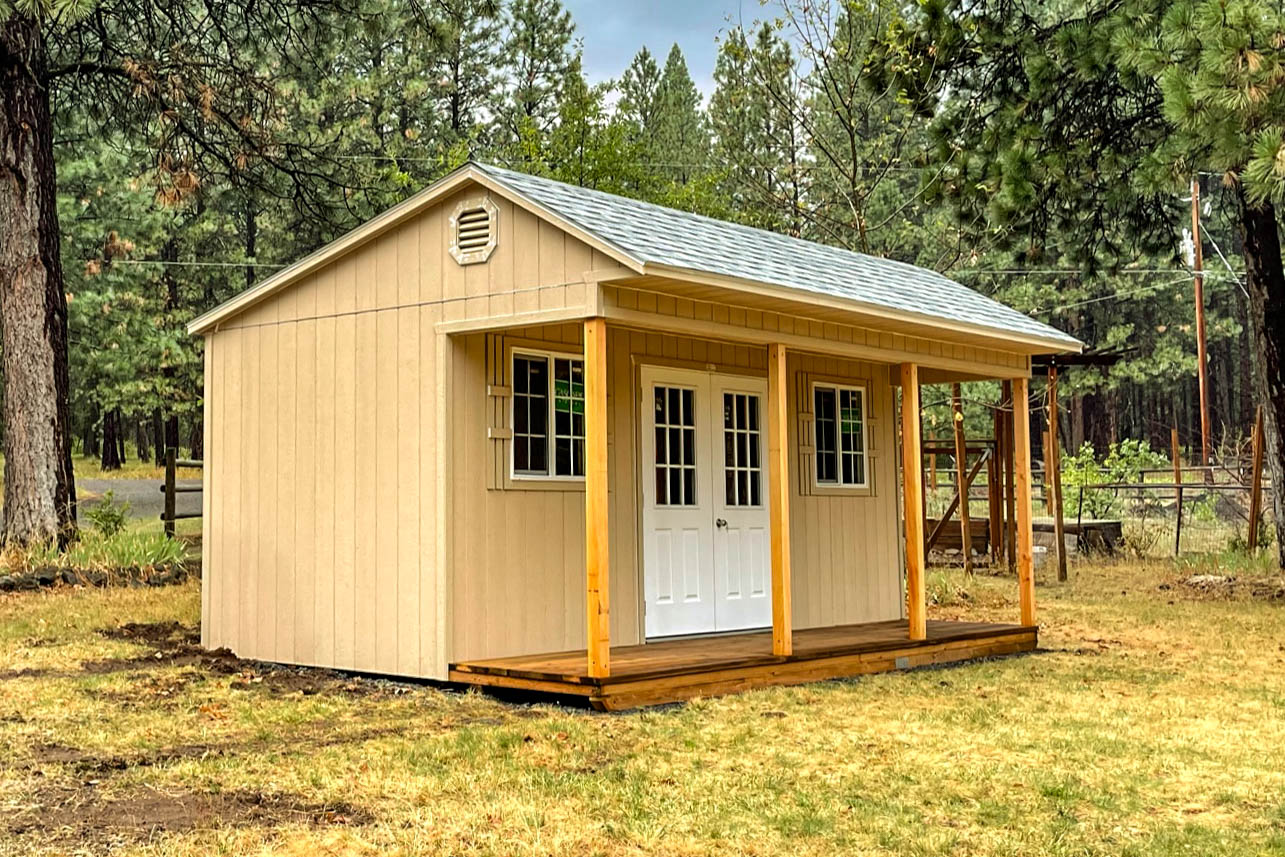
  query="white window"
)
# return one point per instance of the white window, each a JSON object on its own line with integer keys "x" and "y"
{"x": 548, "y": 415}
{"x": 839, "y": 420}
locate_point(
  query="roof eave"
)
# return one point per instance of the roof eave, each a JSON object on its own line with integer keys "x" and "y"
{"x": 1031, "y": 344}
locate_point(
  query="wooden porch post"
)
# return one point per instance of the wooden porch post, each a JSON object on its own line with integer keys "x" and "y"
{"x": 912, "y": 501}
{"x": 1022, "y": 484}
{"x": 778, "y": 454}
{"x": 596, "y": 537}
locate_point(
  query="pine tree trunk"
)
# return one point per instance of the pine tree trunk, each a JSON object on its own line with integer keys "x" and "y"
{"x": 39, "y": 488}
{"x": 110, "y": 459}
{"x": 158, "y": 436}
{"x": 1266, "y": 280}
{"x": 198, "y": 439}
{"x": 142, "y": 445}
{"x": 89, "y": 440}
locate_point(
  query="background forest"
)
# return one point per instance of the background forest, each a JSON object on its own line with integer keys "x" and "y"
{"x": 822, "y": 124}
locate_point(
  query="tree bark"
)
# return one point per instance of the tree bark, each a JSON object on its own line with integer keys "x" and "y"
{"x": 142, "y": 444}
{"x": 198, "y": 439}
{"x": 158, "y": 436}
{"x": 1266, "y": 280}
{"x": 111, "y": 458}
{"x": 39, "y": 488}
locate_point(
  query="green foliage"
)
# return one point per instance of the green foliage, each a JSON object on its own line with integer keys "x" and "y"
{"x": 108, "y": 516}
{"x": 1123, "y": 463}
{"x": 96, "y": 550}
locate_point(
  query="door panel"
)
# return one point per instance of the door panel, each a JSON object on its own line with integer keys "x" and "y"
{"x": 678, "y": 563}
{"x": 741, "y": 538}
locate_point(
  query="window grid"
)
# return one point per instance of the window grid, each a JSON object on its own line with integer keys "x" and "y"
{"x": 675, "y": 453}
{"x": 852, "y": 445}
{"x": 568, "y": 416}
{"x": 742, "y": 461}
{"x": 530, "y": 415}
{"x": 840, "y": 441}
{"x": 548, "y": 415}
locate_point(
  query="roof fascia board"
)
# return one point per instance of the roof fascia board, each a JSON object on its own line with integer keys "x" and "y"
{"x": 1003, "y": 340}
{"x": 381, "y": 223}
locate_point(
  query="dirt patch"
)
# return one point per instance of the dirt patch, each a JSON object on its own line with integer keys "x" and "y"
{"x": 83, "y": 763}
{"x": 307, "y": 681}
{"x": 86, "y": 817}
{"x": 1220, "y": 586}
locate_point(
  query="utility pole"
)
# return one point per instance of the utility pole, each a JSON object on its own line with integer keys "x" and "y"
{"x": 1201, "y": 353}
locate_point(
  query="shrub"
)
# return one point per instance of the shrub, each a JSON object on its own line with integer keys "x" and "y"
{"x": 109, "y": 517}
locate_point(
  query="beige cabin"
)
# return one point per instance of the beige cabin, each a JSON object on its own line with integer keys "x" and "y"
{"x": 521, "y": 434}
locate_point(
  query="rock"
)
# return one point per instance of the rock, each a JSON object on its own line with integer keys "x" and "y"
{"x": 70, "y": 577}
{"x": 96, "y": 578}
{"x": 46, "y": 576}
{"x": 28, "y": 582}
{"x": 8, "y": 583}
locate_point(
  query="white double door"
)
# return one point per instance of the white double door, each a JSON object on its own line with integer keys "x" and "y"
{"x": 706, "y": 546}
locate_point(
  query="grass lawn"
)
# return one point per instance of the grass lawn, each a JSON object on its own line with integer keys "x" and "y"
{"x": 1152, "y": 724}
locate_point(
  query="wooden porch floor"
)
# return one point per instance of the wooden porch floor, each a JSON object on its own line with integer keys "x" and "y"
{"x": 674, "y": 670}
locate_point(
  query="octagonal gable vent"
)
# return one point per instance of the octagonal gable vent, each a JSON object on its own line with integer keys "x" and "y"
{"x": 473, "y": 230}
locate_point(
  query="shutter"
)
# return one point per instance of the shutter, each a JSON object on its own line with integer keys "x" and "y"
{"x": 805, "y": 426}
{"x": 498, "y": 396}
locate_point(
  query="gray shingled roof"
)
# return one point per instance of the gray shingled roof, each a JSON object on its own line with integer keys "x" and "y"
{"x": 663, "y": 236}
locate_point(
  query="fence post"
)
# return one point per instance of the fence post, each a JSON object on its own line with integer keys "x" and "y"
{"x": 171, "y": 456}
{"x": 1177, "y": 536}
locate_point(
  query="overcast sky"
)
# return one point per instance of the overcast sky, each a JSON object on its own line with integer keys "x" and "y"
{"x": 614, "y": 30}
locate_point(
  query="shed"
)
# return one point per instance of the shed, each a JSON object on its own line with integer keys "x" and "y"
{"x": 517, "y": 433}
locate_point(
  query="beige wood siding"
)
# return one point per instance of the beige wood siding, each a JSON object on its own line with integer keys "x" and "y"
{"x": 518, "y": 571}
{"x": 322, "y": 540}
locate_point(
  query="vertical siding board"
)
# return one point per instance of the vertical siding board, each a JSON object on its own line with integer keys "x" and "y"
{"x": 209, "y": 388}
{"x": 429, "y": 574}
{"x": 230, "y": 511}
{"x": 284, "y": 553}
{"x": 305, "y": 482}
{"x": 347, "y": 425}
{"x": 386, "y": 511}
{"x": 265, "y": 569}
{"x": 366, "y": 454}
{"x": 323, "y": 522}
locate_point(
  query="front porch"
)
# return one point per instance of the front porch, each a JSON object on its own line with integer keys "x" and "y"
{"x": 676, "y": 670}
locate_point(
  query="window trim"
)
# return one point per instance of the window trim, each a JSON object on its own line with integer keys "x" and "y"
{"x": 839, "y": 484}
{"x": 549, "y": 356}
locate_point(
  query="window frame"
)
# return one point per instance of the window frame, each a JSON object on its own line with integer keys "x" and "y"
{"x": 838, "y": 484}
{"x": 551, "y": 435}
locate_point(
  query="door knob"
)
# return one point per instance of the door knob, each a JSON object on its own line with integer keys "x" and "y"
{"x": 720, "y": 523}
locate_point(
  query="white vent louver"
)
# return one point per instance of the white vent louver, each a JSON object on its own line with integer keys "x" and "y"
{"x": 473, "y": 229}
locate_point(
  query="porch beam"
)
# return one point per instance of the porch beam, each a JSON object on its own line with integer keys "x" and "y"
{"x": 1022, "y": 485}
{"x": 778, "y": 449}
{"x": 913, "y": 501}
{"x": 596, "y": 533}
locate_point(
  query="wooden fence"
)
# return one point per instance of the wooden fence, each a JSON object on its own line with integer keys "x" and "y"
{"x": 171, "y": 489}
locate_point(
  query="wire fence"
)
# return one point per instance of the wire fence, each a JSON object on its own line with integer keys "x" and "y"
{"x": 1172, "y": 519}
{"x": 1207, "y": 512}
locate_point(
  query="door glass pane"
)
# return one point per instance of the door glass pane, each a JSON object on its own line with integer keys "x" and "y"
{"x": 741, "y": 464}
{"x": 675, "y": 454}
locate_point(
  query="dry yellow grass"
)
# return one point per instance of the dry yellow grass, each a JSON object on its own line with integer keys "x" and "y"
{"x": 1153, "y": 724}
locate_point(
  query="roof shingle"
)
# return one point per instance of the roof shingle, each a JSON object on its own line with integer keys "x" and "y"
{"x": 652, "y": 234}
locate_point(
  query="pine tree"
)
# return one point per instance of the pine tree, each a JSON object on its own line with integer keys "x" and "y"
{"x": 538, "y": 50}
{"x": 682, "y": 140}
{"x": 758, "y": 143}
{"x": 465, "y": 69}
{"x": 639, "y": 104}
